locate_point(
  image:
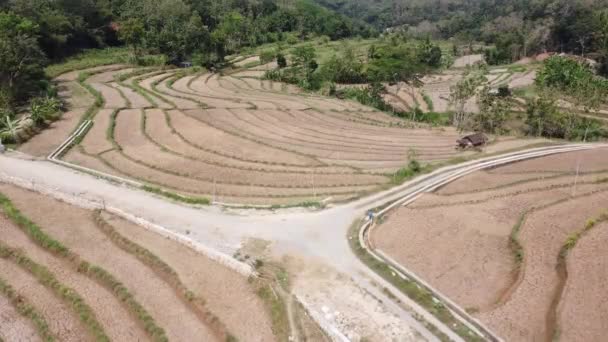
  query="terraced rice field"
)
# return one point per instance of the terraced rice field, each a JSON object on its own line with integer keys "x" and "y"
{"x": 518, "y": 246}
{"x": 238, "y": 139}
{"x": 71, "y": 274}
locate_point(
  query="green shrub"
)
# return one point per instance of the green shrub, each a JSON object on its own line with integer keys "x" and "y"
{"x": 267, "y": 56}
{"x": 45, "y": 108}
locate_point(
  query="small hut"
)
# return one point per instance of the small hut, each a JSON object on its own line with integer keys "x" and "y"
{"x": 473, "y": 140}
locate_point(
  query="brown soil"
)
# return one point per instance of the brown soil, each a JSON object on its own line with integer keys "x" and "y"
{"x": 592, "y": 160}
{"x": 458, "y": 239}
{"x": 108, "y": 76}
{"x": 77, "y": 101}
{"x": 112, "y": 315}
{"x": 77, "y": 157}
{"x": 158, "y": 130}
{"x": 484, "y": 180}
{"x": 63, "y": 323}
{"x": 181, "y": 86}
{"x": 252, "y": 129}
{"x": 193, "y": 130}
{"x": 584, "y": 306}
{"x": 96, "y": 140}
{"x": 77, "y": 230}
{"x": 15, "y": 327}
{"x": 135, "y": 99}
{"x": 564, "y": 184}
{"x": 169, "y": 94}
{"x": 524, "y": 315}
{"x": 136, "y": 145}
{"x": 463, "y": 251}
{"x": 228, "y": 294}
{"x": 113, "y": 99}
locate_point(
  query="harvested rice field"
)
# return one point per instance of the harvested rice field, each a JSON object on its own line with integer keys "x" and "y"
{"x": 517, "y": 246}
{"x": 71, "y": 274}
{"x": 240, "y": 139}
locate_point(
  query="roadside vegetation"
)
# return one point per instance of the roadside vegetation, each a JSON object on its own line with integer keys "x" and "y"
{"x": 409, "y": 287}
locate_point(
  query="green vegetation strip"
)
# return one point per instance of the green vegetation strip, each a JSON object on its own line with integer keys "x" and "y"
{"x": 89, "y": 59}
{"x": 94, "y": 272}
{"x": 25, "y": 309}
{"x": 410, "y": 288}
{"x": 164, "y": 271}
{"x": 514, "y": 243}
{"x": 46, "y": 278}
{"x": 272, "y": 285}
{"x": 176, "y": 197}
{"x": 573, "y": 239}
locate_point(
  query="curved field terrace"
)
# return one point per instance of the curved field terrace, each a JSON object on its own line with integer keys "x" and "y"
{"x": 239, "y": 139}
{"x": 91, "y": 276}
{"x": 502, "y": 243}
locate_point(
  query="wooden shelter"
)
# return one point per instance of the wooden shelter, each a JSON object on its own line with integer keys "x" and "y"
{"x": 473, "y": 140}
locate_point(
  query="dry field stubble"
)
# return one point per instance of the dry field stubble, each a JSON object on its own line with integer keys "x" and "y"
{"x": 491, "y": 241}
{"x": 226, "y": 295}
{"x": 222, "y": 136}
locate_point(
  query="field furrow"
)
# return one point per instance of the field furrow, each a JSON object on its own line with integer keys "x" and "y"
{"x": 15, "y": 326}
{"x": 109, "y": 310}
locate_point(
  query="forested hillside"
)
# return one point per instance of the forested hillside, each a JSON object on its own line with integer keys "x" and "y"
{"x": 522, "y": 27}
{"x": 34, "y": 33}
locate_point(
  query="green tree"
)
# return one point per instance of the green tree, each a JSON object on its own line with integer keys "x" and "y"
{"x": 429, "y": 53}
{"x": 461, "y": 93}
{"x": 21, "y": 60}
{"x": 494, "y": 109}
{"x": 132, "y": 33}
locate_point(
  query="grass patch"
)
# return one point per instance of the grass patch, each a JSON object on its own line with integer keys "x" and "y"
{"x": 410, "y": 288}
{"x": 412, "y": 170}
{"x": 71, "y": 297}
{"x": 103, "y": 277}
{"x": 25, "y": 309}
{"x": 176, "y": 197}
{"x": 573, "y": 239}
{"x": 89, "y": 59}
{"x": 514, "y": 244}
{"x": 98, "y": 57}
{"x": 272, "y": 286}
{"x": 429, "y": 102}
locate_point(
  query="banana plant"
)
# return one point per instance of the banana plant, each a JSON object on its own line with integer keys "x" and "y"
{"x": 9, "y": 132}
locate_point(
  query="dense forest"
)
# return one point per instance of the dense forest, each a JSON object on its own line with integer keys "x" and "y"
{"x": 411, "y": 39}
{"x": 34, "y": 33}
{"x": 517, "y": 27}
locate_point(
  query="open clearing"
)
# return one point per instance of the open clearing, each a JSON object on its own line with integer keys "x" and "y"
{"x": 134, "y": 283}
{"x": 492, "y": 241}
{"x": 238, "y": 139}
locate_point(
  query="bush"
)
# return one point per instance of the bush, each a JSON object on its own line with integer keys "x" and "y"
{"x": 281, "y": 60}
{"x": 266, "y": 56}
{"x": 545, "y": 119}
{"x": 45, "y": 109}
{"x": 291, "y": 40}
